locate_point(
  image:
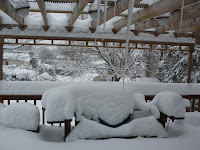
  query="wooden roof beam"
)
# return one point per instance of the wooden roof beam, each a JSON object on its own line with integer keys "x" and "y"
{"x": 190, "y": 25}
{"x": 8, "y": 9}
{"x": 77, "y": 11}
{"x": 188, "y": 13}
{"x": 156, "y": 9}
{"x": 121, "y": 5}
{"x": 76, "y": 1}
{"x": 42, "y": 8}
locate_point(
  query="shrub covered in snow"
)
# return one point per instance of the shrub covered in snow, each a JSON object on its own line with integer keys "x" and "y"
{"x": 24, "y": 116}
{"x": 2, "y": 106}
{"x": 88, "y": 129}
{"x": 20, "y": 75}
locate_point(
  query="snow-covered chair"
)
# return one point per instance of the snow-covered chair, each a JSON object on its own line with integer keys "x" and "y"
{"x": 24, "y": 116}
{"x": 169, "y": 104}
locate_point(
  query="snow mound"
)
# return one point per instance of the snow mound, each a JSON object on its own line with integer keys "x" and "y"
{"x": 88, "y": 129}
{"x": 56, "y": 108}
{"x": 170, "y": 103}
{"x": 192, "y": 118}
{"x": 24, "y": 116}
{"x": 108, "y": 106}
{"x": 145, "y": 79}
{"x": 2, "y": 106}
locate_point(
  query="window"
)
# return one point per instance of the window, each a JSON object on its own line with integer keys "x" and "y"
{"x": 6, "y": 62}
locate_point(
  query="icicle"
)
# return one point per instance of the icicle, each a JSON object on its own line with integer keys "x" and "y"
{"x": 105, "y": 13}
{"x": 97, "y": 25}
{"x": 130, "y": 13}
{"x": 114, "y": 7}
{"x": 13, "y": 18}
{"x": 181, "y": 22}
{"x": 79, "y": 4}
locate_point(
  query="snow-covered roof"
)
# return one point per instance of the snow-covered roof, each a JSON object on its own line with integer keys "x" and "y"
{"x": 17, "y": 56}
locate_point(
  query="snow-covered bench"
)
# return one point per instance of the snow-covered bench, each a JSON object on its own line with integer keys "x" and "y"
{"x": 108, "y": 105}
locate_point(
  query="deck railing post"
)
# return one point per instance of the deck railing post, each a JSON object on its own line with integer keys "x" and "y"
{"x": 1, "y": 58}
{"x": 190, "y": 64}
{"x": 67, "y": 128}
{"x": 199, "y": 106}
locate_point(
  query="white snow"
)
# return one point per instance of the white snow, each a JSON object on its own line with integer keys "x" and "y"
{"x": 17, "y": 56}
{"x": 180, "y": 138}
{"x": 187, "y": 102}
{"x": 56, "y": 103}
{"x": 170, "y": 103}
{"x": 39, "y": 87}
{"x": 94, "y": 101}
{"x": 21, "y": 116}
{"x": 88, "y": 129}
{"x": 145, "y": 79}
{"x": 2, "y": 106}
{"x": 192, "y": 118}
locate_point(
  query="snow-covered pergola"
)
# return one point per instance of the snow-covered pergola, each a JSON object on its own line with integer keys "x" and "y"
{"x": 58, "y": 22}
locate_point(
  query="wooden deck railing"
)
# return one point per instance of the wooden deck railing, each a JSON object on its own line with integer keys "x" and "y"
{"x": 8, "y": 99}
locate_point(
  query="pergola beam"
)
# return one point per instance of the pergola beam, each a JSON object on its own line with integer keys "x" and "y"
{"x": 42, "y": 8}
{"x": 188, "y": 13}
{"x": 77, "y": 11}
{"x": 156, "y": 9}
{"x": 121, "y": 5}
{"x": 8, "y": 9}
{"x": 190, "y": 25}
{"x": 76, "y": 1}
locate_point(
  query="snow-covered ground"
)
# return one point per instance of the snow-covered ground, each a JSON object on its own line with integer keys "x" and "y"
{"x": 182, "y": 136}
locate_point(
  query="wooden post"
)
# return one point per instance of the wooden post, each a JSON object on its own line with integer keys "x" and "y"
{"x": 199, "y": 106}
{"x": 162, "y": 119}
{"x": 43, "y": 115}
{"x": 1, "y": 58}
{"x": 190, "y": 64}
{"x": 67, "y": 128}
{"x": 193, "y": 105}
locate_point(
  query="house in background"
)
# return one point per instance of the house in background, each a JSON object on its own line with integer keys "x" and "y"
{"x": 16, "y": 60}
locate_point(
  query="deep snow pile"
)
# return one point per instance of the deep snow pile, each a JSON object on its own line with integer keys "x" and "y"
{"x": 21, "y": 116}
{"x": 95, "y": 102}
{"x": 88, "y": 129}
{"x": 2, "y": 106}
{"x": 55, "y": 104}
{"x": 170, "y": 103}
{"x": 192, "y": 118}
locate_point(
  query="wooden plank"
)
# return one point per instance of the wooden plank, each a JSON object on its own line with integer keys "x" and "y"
{"x": 121, "y": 5}
{"x": 158, "y": 8}
{"x": 77, "y": 11}
{"x": 8, "y": 9}
{"x": 1, "y": 58}
{"x": 0, "y": 20}
{"x": 91, "y": 39}
{"x": 76, "y": 1}
{"x": 188, "y": 13}
{"x": 42, "y": 8}
{"x": 190, "y": 65}
{"x": 189, "y": 25}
